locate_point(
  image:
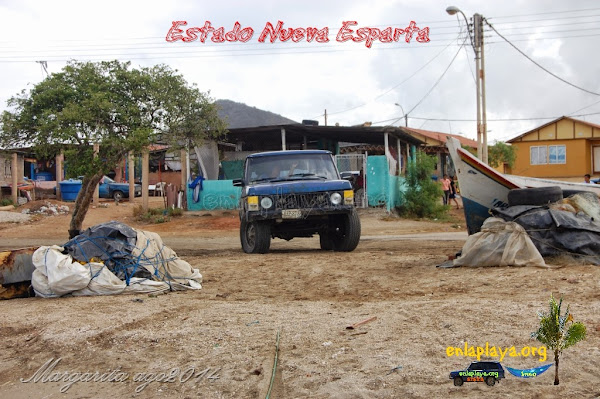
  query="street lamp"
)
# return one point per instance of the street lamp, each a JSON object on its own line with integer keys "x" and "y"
{"x": 405, "y": 116}
{"x": 477, "y": 43}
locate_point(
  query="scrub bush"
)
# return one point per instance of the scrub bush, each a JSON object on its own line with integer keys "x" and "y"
{"x": 421, "y": 196}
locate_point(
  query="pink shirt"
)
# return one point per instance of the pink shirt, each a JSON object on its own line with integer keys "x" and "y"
{"x": 446, "y": 184}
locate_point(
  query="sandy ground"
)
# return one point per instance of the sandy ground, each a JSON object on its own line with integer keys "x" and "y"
{"x": 220, "y": 342}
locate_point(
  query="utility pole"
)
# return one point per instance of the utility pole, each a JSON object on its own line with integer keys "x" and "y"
{"x": 325, "y": 117}
{"x": 477, "y": 43}
{"x": 476, "y": 47}
{"x": 484, "y": 152}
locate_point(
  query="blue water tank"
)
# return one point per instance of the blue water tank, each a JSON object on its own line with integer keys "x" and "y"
{"x": 43, "y": 176}
{"x": 69, "y": 189}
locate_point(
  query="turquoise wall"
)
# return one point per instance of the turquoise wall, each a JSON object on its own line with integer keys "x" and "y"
{"x": 382, "y": 188}
{"x": 215, "y": 194}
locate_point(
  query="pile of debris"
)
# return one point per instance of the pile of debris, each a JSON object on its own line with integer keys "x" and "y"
{"x": 523, "y": 235}
{"x": 106, "y": 259}
{"x": 48, "y": 208}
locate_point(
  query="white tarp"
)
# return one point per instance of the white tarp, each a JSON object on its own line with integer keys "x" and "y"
{"x": 500, "y": 243}
{"x": 57, "y": 274}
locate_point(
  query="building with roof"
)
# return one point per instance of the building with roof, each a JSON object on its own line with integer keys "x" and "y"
{"x": 563, "y": 149}
{"x": 434, "y": 143}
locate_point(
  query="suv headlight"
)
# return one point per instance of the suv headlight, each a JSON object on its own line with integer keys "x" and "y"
{"x": 336, "y": 198}
{"x": 266, "y": 202}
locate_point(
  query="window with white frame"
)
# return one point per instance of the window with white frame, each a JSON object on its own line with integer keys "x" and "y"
{"x": 538, "y": 155}
{"x": 7, "y": 168}
{"x": 557, "y": 154}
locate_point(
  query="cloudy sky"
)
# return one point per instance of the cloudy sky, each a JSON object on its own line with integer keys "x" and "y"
{"x": 433, "y": 82}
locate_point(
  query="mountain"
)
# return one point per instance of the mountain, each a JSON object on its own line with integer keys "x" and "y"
{"x": 240, "y": 115}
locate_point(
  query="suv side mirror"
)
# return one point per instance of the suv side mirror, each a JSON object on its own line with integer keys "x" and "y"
{"x": 238, "y": 182}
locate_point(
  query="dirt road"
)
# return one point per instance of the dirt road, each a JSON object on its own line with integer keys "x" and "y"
{"x": 220, "y": 342}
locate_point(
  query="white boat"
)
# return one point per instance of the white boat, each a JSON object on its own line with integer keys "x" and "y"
{"x": 482, "y": 188}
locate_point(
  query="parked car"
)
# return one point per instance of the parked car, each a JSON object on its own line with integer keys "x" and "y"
{"x": 287, "y": 194}
{"x": 109, "y": 188}
{"x": 488, "y": 372}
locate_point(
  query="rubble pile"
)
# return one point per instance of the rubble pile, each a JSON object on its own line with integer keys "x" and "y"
{"x": 49, "y": 209}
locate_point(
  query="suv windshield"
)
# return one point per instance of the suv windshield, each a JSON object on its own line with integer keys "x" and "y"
{"x": 290, "y": 167}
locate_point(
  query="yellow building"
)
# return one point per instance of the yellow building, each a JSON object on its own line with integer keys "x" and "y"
{"x": 564, "y": 149}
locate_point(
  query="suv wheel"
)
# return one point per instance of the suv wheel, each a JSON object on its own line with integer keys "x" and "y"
{"x": 345, "y": 232}
{"x": 255, "y": 237}
{"x": 458, "y": 381}
{"x": 490, "y": 381}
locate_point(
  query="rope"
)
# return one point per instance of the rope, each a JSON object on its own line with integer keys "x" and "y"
{"x": 274, "y": 367}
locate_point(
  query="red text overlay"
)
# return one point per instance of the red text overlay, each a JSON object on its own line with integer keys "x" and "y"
{"x": 277, "y": 32}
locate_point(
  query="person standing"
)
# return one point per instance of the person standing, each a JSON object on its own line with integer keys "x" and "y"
{"x": 453, "y": 193}
{"x": 446, "y": 188}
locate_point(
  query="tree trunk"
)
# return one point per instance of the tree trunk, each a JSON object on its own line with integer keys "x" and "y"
{"x": 82, "y": 203}
{"x": 556, "y": 369}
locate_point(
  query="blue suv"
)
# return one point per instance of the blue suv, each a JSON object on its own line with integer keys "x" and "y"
{"x": 287, "y": 194}
{"x": 489, "y": 372}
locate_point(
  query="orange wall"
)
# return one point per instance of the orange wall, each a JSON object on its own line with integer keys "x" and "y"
{"x": 578, "y": 160}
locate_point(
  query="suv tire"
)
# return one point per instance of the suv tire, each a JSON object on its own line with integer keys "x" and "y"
{"x": 255, "y": 237}
{"x": 458, "y": 381}
{"x": 325, "y": 241}
{"x": 490, "y": 381}
{"x": 345, "y": 232}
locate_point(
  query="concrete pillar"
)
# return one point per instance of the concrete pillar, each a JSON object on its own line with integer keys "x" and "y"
{"x": 283, "y": 146}
{"x": 59, "y": 174}
{"x": 131, "y": 166}
{"x": 97, "y": 190}
{"x": 14, "y": 172}
{"x": 399, "y": 150}
{"x": 145, "y": 172}
{"x": 184, "y": 177}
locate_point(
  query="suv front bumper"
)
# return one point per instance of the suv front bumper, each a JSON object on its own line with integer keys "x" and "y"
{"x": 296, "y": 214}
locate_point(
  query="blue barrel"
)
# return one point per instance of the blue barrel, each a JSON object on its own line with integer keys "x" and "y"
{"x": 69, "y": 189}
{"x": 43, "y": 176}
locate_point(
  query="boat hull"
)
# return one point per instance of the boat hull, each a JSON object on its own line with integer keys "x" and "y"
{"x": 483, "y": 188}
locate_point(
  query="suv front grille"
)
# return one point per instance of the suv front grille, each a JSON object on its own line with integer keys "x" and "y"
{"x": 301, "y": 201}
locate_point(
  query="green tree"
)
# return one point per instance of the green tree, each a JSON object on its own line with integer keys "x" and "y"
{"x": 555, "y": 333}
{"x": 500, "y": 153}
{"x": 421, "y": 197}
{"x": 110, "y": 104}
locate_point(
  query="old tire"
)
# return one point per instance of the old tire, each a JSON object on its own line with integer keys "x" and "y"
{"x": 325, "y": 241}
{"x": 345, "y": 231}
{"x": 490, "y": 381}
{"x": 117, "y": 195}
{"x": 534, "y": 196}
{"x": 255, "y": 237}
{"x": 458, "y": 381}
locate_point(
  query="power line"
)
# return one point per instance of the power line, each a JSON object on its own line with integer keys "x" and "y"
{"x": 544, "y": 69}
{"x": 437, "y": 82}
{"x": 501, "y": 119}
{"x": 394, "y": 87}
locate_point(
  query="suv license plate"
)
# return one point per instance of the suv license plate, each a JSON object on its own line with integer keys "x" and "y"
{"x": 291, "y": 214}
